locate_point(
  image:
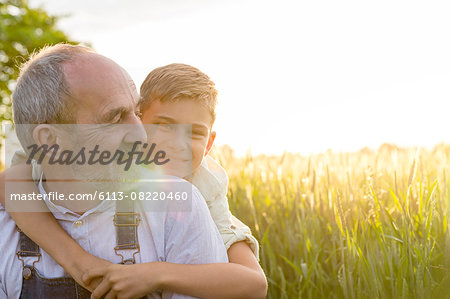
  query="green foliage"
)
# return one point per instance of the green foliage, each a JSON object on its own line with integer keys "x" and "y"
{"x": 348, "y": 225}
{"x": 22, "y": 31}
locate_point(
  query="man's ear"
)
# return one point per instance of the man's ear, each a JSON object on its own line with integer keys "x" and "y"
{"x": 45, "y": 134}
{"x": 211, "y": 139}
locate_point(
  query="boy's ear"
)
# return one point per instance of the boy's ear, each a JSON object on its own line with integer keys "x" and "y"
{"x": 211, "y": 139}
{"x": 45, "y": 134}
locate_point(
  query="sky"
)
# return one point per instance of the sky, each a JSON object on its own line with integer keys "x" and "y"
{"x": 297, "y": 76}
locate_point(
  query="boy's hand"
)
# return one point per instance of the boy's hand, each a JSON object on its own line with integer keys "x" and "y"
{"x": 84, "y": 263}
{"x": 125, "y": 281}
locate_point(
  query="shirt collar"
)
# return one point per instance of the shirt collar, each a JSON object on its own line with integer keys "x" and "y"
{"x": 63, "y": 213}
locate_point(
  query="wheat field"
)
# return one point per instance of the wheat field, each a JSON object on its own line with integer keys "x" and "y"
{"x": 369, "y": 224}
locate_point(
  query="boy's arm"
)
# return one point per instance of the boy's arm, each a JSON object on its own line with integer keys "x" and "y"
{"x": 215, "y": 280}
{"x": 43, "y": 228}
{"x": 242, "y": 247}
{"x": 196, "y": 265}
{"x": 212, "y": 181}
{"x": 242, "y": 277}
{"x": 242, "y": 232}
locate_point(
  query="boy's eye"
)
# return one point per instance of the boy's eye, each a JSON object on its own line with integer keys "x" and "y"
{"x": 163, "y": 126}
{"x": 198, "y": 134}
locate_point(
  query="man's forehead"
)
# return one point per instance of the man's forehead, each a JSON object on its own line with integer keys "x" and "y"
{"x": 93, "y": 72}
{"x": 88, "y": 64}
{"x": 98, "y": 86}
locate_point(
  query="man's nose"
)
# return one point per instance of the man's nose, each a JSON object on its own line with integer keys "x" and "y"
{"x": 135, "y": 131}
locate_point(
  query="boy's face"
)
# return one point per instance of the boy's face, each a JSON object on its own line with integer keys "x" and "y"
{"x": 182, "y": 111}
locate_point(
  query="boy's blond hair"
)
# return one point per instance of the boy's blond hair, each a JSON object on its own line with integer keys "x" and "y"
{"x": 178, "y": 81}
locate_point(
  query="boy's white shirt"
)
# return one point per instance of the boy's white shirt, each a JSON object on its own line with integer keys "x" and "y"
{"x": 212, "y": 181}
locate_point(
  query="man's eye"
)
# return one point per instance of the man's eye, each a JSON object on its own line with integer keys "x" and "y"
{"x": 117, "y": 119}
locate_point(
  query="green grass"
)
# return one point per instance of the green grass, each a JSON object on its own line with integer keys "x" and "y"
{"x": 371, "y": 224}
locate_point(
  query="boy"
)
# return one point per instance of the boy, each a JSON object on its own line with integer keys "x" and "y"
{"x": 174, "y": 94}
{"x": 181, "y": 94}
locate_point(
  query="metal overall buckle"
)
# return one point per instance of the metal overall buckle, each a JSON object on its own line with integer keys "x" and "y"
{"x": 127, "y": 261}
{"x": 27, "y": 271}
{"x": 136, "y": 221}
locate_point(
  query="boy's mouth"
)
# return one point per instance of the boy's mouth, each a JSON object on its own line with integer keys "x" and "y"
{"x": 180, "y": 158}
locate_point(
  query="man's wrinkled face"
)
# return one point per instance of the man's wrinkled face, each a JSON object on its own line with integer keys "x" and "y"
{"x": 182, "y": 129}
{"x": 105, "y": 98}
{"x": 103, "y": 92}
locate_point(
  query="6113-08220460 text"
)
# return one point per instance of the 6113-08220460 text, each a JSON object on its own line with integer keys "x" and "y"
{"x": 102, "y": 195}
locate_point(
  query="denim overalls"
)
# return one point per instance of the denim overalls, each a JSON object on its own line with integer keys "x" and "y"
{"x": 36, "y": 286}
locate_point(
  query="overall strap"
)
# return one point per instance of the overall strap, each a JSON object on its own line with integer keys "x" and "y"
{"x": 27, "y": 248}
{"x": 126, "y": 222}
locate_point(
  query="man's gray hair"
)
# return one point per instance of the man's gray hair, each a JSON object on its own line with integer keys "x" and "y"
{"x": 42, "y": 95}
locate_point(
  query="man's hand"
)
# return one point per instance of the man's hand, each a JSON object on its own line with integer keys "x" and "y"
{"x": 125, "y": 281}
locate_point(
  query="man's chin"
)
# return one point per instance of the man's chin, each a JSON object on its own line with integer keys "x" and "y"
{"x": 103, "y": 178}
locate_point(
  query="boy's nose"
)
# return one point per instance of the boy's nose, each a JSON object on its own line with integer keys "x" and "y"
{"x": 180, "y": 141}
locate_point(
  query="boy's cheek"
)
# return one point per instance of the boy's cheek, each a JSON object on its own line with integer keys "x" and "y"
{"x": 198, "y": 152}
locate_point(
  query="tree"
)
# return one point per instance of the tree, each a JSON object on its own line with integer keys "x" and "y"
{"x": 22, "y": 31}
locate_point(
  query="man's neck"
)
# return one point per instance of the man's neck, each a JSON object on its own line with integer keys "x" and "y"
{"x": 77, "y": 196}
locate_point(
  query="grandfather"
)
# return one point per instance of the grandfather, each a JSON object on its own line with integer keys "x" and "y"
{"x": 67, "y": 84}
